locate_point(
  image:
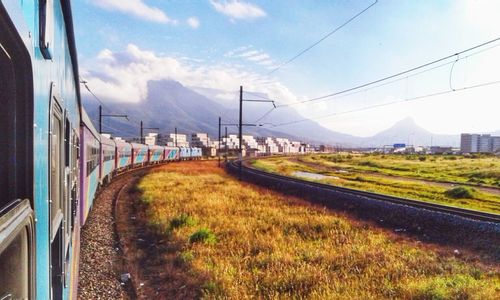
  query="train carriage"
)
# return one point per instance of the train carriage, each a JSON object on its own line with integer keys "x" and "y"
{"x": 90, "y": 169}
{"x": 139, "y": 154}
{"x": 39, "y": 120}
{"x": 172, "y": 153}
{"x": 107, "y": 159}
{"x": 123, "y": 155}
{"x": 196, "y": 153}
{"x": 185, "y": 153}
{"x": 156, "y": 154}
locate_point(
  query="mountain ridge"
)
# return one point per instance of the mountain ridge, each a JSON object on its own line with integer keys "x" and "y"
{"x": 170, "y": 104}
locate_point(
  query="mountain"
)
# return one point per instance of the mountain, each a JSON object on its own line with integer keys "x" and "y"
{"x": 407, "y": 131}
{"x": 169, "y": 104}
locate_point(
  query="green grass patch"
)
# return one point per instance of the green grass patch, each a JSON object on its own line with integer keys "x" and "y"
{"x": 203, "y": 235}
{"x": 460, "y": 192}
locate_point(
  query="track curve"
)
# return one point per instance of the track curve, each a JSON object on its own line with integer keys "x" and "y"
{"x": 455, "y": 211}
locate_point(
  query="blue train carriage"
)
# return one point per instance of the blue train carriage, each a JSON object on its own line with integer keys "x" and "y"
{"x": 123, "y": 157}
{"x": 185, "y": 153}
{"x": 156, "y": 154}
{"x": 39, "y": 121}
{"x": 139, "y": 154}
{"x": 196, "y": 153}
{"x": 107, "y": 158}
{"x": 90, "y": 167}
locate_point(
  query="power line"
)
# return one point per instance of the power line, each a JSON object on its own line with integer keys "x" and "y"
{"x": 390, "y": 103}
{"x": 397, "y": 74}
{"x": 381, "y": 84}
{"x": 321, "y": 40}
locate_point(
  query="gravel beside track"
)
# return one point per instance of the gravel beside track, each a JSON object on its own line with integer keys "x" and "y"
{"x": 100, "y": 256}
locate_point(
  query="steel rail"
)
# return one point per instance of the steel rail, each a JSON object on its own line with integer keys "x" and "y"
{"x": 462, "y": 212}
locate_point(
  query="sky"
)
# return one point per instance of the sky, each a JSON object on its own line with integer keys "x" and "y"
{"x": 218, "y": 45}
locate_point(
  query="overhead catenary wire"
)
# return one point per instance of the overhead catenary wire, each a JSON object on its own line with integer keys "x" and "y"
{"x": 390, "y": 103}
{"x": 371, "y": 86}
{"x": 322, "y": 39}
{"x": 397, "y": 74}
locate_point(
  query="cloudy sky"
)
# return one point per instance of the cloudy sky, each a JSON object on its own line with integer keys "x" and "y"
{"x": 218, "y": 45}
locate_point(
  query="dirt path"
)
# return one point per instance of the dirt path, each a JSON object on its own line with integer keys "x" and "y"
{"x": 316, "y": 166}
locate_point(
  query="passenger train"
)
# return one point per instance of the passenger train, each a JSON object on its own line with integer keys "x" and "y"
{"x": 52, "y": 160}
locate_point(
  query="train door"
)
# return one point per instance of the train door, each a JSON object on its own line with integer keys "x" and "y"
{"x": 56, "y": 202}
{"x": 17, "y": 260}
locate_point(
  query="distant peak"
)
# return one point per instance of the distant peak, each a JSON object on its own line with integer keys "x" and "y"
{"x": 407, "y": 120}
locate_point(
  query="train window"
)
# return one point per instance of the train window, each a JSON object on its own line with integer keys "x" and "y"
{"x": 55, "y": 169}
{"x": 16, "y": 115}
{"x": 16, "y": 252}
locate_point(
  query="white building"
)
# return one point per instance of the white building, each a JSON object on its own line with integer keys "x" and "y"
{"x": 180, "y": 139}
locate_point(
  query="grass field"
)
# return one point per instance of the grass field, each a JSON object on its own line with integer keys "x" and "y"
{"x": 426, "y": 178}
{"x": 243, "y": 242}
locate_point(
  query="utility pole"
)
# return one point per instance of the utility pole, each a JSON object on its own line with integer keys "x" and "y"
{"x": 111, "y": 116}
{"x": 240, "y": 128}
{"x": 240, "y": 135}
{"x": 227, "y": 151}
{"x": 218, "y": 147}
{"x": 100, "y": 119}
{"x": 142, "y": 131}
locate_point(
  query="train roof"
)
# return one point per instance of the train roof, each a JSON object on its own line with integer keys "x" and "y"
{"x": 70, "y": 35}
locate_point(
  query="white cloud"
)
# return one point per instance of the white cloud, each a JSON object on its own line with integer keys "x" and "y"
{"x": 136, "y": 8}
{"x": 124, "y": 76}
{"x": 193, "y": 22}
{"x": 238, "y": 9}
{"x": 248, "y": 53}
{"x": 259, "y": 57}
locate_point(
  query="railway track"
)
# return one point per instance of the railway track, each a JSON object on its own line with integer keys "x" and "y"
{"x": 356, "y": 194}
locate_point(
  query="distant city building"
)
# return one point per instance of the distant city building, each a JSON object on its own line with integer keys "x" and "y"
{"x": 201, "y": 140}
{"x": 179, "y": 139}
{"x": 483, "y": 143}
{"x": 151, "y": 139}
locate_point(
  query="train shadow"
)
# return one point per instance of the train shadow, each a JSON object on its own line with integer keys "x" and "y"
{"x": 153, "y": 258}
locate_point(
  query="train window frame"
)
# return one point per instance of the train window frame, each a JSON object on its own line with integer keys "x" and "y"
{"x": 16, "y": 115}
{"x": 17, "y": 251}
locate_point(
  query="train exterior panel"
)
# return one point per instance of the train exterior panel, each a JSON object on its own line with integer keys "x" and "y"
{"x": 40, "y": 116}
{"x": 107, "y": 158}
{"x": 185, "y": 153}
{"x": 139, "y": 154}
{"x": 123, "y": 155}
{"x": 156, "y": 154}
{"x": 90, "y": 169}
{"x": 172, "y": 153}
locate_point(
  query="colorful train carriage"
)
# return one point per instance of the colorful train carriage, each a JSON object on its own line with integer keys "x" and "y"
{"x": 123, "y": 155}
{"x": 172, "y": 154}
{"x": 139, "y": 154}
{"x": 156, "y": 154}
{"x": 39, "y": 121}
{"x": 90, "y": 167}
{"x": 107, "y": 158}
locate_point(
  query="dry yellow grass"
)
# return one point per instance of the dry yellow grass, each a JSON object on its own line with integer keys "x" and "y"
{"x": 252, "y": 243}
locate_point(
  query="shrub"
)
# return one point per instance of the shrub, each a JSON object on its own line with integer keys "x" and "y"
{"x": 460, "y": 192}
{"x": 203, "y": 235}
{"x": 182, "y": 220}
{"x": 422, "y": 158}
